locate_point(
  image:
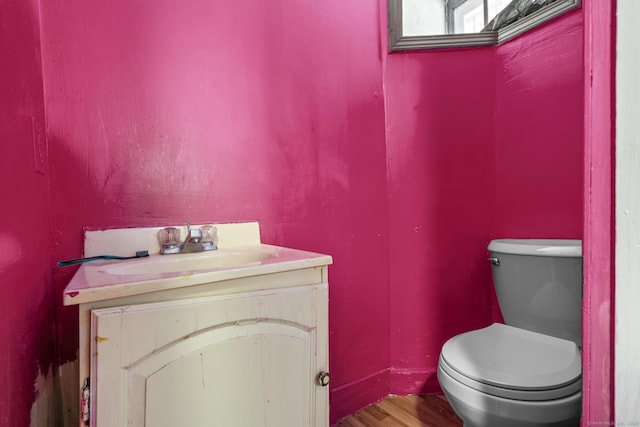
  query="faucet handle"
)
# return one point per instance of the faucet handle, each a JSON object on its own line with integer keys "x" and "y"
{"x": 169, "y": 240}
{"x": 209, "y": 234}
{"x": 169, "y": 236}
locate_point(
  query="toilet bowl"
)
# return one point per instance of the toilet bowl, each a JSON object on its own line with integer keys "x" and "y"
{"x": 516, "y": 376}
{"x": 502, "y": 376}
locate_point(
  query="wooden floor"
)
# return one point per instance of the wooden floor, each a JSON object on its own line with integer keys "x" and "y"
{"x": 405, "y": 411}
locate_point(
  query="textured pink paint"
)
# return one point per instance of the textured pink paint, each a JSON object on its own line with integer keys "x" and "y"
{"x": 440, "y": 128}
{"x": 27, "y": 301}
{"x": 170, "y": 114}
{"x": 270, "y": 111}
{"x": 599, "y": 220}
{"x": 538, "y": 143}
{"x": 481, "y": 143}
{"x": 274, "y": 111}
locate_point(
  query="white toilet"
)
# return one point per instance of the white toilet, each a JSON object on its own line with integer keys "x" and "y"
{"x": 527, "y": 372}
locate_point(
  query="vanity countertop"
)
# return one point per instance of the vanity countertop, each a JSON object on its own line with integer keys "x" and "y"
{"x": 240, "y": 254}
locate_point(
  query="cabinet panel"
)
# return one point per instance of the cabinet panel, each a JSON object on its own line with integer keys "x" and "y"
{"x": 241, "y": 360}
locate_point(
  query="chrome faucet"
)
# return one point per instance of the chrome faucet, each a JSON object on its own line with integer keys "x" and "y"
{"x": 197, "y": 240}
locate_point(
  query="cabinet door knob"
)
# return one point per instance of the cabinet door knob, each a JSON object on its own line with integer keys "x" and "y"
{"x": 324, "y": 378}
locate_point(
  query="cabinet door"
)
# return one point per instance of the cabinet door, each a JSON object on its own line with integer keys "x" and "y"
{"x": 245, "y": 360}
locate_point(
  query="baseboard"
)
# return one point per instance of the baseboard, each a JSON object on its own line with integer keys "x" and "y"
{"x": 349, "y": 398}
{"x": 414, "y": 381}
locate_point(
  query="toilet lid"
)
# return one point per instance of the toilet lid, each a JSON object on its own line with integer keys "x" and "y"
{"x": 513, "y": 358}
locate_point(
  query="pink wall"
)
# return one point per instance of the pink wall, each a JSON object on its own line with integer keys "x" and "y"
{"x": 158, "y": 115}
{"x": 268, "y": 111}
{"x": 439, "y": 133}
{"x": 481, "y": 143}
{"x": 539, "y": 133}
{"x": 26, "y": 305}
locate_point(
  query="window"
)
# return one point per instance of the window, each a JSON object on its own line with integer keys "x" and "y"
{"x": 468, "y": 17}
{"x": 471, "y": 16}
{"x": 428, "y": 24}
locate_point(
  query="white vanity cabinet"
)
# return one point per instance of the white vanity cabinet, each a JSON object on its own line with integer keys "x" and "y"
{"x": 246, "y": 359}
{"x": 237, "y": 337}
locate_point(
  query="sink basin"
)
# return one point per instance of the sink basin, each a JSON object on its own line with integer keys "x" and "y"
{"x": 240, "y": 255}
{"x": 189, "y": 263}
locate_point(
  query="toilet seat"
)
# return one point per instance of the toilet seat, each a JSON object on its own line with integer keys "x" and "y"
{"x": 513, "y": 363}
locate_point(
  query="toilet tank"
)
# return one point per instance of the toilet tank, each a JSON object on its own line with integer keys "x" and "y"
{"x": 539, "y": 285}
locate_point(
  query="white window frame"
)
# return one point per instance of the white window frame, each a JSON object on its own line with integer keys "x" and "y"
{"x": 399, "y": 43}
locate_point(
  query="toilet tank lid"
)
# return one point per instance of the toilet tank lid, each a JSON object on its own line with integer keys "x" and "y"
{"x": 538, "y": 247}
